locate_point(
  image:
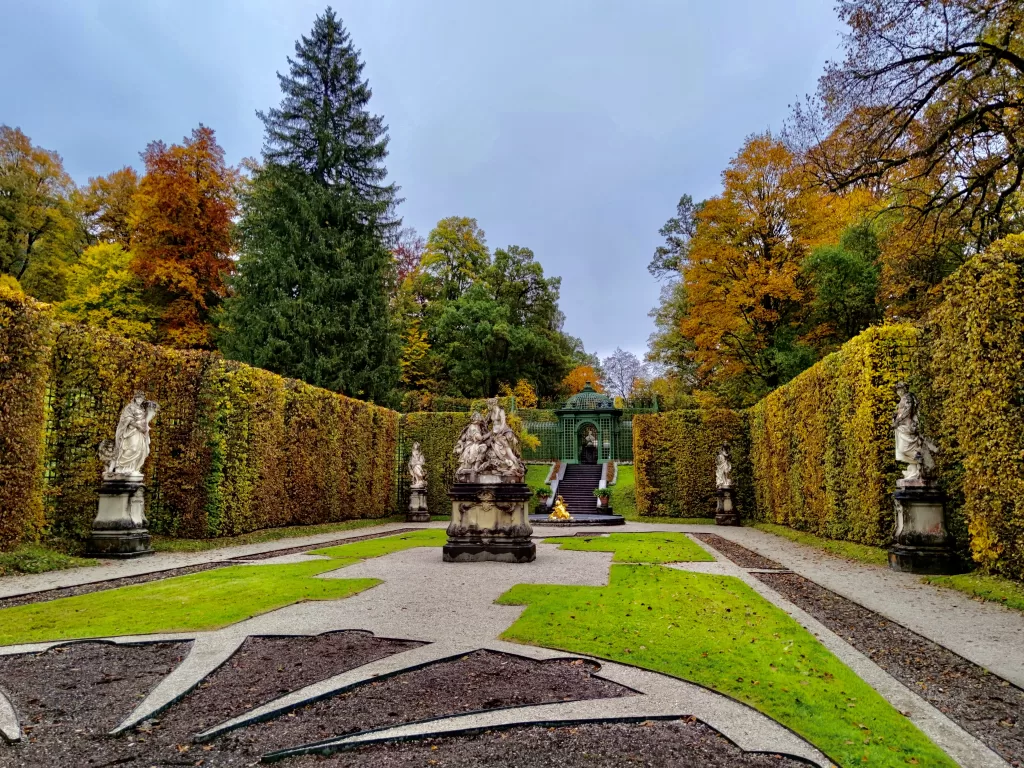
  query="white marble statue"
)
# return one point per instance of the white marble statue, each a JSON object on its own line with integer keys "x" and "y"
{"x": 723, "y": 467}
{"x": 471, "y": 449}
{"x": 128, "y": 451}
{"x": 912, "y": 447}
{"x": 488, "y": 446}
{"x": 417, "y": 468}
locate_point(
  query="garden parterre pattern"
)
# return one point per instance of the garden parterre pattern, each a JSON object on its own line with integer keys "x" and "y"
{"x": 450, "y": 612}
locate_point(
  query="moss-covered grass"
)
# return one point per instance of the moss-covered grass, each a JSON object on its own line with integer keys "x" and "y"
{"x": 718, "y": 632}
{"x": 638, "y": 547}
{"x": 989, "y": 588}
{"x": 33, "y": 558}
{"x": 847, "y": 549}
{"x": 168, "y": 544}
{"x": 624, "y": 502}
{"x": 200, "y": 601}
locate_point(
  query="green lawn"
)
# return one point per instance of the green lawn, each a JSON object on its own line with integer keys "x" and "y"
{"x": 847, "y": 549}
{"x": 536, "y": 474}
{"x": 638, "y": 547}
{"x": 200, "y": 601}
{"x": 33, "y": 558}
{"x": 990, "y": 588}
{"x": 719, "y": 633}
{"x": 168, "y": 544}
{"x": 624, "y": 502}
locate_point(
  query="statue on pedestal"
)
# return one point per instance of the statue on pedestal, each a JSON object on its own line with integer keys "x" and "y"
{"x": 128, "y": 451}
{"x": 417, "y": 468}
{"x": 725, "y": 510}
{"x": 723, "y": 467}
{"x": 490, "y": 501}
{"x": 119, "y": 529}
{"x": 921, "y": 543}
{"x": 912, "y": 447}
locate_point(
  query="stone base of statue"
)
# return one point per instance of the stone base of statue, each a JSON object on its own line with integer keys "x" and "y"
{"x": 921, "y": 543}
{"x": 726, "y": 512}
{"x": 490, "y": 521}
{"x": 417, "y": 507}
{"x": 119, "y": 529}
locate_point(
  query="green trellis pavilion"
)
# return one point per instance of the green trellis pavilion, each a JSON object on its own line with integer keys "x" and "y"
{"x": 589, "y": 428}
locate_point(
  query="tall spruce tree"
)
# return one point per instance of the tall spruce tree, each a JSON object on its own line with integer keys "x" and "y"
{"x": 314, "y": 272}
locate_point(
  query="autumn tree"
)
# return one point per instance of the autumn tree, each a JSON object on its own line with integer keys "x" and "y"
{"x": 925, "y": 107}
{"x": 408, "y": 253}
{"x": 109, "y": 203}
{"x": 744, "y": 284}
{"x": 579, "y": 377}
{"x": 104, "y": 292}
{"x": 668, "y": 348}
{"x": 455, "y": 256}
{"x": 182, "y": 241}
{"x": 41, "y": 231}
{"x": 316, "y": 270}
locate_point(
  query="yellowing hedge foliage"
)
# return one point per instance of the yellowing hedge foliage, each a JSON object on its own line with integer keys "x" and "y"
{"x": 436, "y": 434}
{"x": 234, "y": 448}
{"x": 977, "y": 366}
{"x": 821, "y": 446}
{"x": 25, "y": 339}
{"x": 674, "y": 456}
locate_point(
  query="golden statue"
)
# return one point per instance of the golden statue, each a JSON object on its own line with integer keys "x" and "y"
{"x": 559, "y": 512}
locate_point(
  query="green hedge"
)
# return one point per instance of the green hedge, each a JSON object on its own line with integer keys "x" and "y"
{"x": 674, "y": 458}
{"x": 25, "y": 338}
{"x": 977, "y": 375}
{"x": 822, "y": 445}
{"x": 234, "y": 448}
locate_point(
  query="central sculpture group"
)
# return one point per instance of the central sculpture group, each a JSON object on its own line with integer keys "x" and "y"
{"x": 490, "y": 501}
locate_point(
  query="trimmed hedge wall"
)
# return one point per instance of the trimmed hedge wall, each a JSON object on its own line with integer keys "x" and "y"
{"x": 234, "y": 448}
{"x": 674, "y": 456}
{"x": 977, "y": 373}
{"x": 822, "y": 446}
{"x": 25, "y": 338}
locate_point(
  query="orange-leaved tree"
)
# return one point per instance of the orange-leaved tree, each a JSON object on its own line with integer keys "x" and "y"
{"x": 743, "y": 276}
{"x": 578, "y": 378}
{"x": 182, "y": 222}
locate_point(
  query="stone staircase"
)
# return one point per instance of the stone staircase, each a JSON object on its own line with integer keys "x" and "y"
{"x": 577, "y": 488}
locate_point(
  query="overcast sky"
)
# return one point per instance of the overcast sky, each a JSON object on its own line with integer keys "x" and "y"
{"x": 568, "y": 126}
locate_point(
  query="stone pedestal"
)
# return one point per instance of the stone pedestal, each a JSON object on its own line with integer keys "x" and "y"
{"x": 119, "y": 529}
{"x": 921, "y": 543}
{"x": 490, "y": 521}
{"x": 417, "y": 507}
{"x": 726, "y": 512}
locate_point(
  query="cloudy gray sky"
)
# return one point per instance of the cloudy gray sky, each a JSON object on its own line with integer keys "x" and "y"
{"x": 569, "y": 126}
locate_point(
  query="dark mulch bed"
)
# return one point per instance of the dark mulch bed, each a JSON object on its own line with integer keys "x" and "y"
{"x": 984, "y": 705}
{"x": 69, "y": 697}
{"x": 263, "y": 669}
{"x": 742, "y": 556}
{"x": 99, "y": 586}
{"x": 335, "y": 543}
{"x": 481, "y": 680}
{"x": 678, "y": 743}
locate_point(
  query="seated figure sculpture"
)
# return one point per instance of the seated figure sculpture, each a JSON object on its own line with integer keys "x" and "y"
{"x": 559, "y": 512}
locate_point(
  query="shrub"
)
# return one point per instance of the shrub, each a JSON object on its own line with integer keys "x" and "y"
{"x": 821, "y": 446}
{"x": 674, "y": 458}
{"x": 25, "y": 340}
{"x": 977, "y": 367}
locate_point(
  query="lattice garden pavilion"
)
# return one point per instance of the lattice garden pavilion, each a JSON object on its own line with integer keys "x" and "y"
{"x": 590, "y": 430}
